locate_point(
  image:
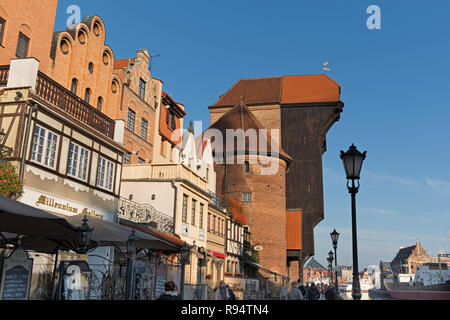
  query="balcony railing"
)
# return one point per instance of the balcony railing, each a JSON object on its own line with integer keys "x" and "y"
{"x": 163, "y": 172}
{"x": 145, "y": 214}
{"x": 62, "y": 98}
{"x": 73, "y": 105}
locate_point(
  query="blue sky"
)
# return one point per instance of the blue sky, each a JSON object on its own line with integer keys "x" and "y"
{"x": 395, "y": 86}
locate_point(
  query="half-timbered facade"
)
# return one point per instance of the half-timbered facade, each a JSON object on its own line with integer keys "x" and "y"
{"x": 69, "y": 154}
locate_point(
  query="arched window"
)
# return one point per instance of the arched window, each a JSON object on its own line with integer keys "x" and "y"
{"x": 99, "y": 103}
{"x": 87, "y": 95}
{"x": 74, "y": 86}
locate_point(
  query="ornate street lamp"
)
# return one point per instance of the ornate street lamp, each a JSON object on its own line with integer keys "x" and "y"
{"x": 331, "y": 257}
{"x": 335, "y": 238}
{"x": 330, "y": 266}
{"x": 131, "y": 245}
{"x": 185, "y": 259}
{"x": 84, "y": 236}
{"x": 352, "y": 161}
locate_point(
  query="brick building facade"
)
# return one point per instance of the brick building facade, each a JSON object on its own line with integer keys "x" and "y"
{"x": 303, "y": 108}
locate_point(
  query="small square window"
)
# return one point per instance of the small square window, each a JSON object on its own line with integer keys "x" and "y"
{"x": 247, "y": 197}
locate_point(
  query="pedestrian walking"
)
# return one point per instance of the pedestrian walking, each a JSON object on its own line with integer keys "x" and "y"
{"x": 295, "y": 293}
{"x": 330, "y": 294}
{"x": 171, "y": 292}
{"x": 302, "y": 290}
{"x": 313, "y": 293}
{"x": 284, "y": 294}
{"x": 231, "y": 293}
{"x": 222, "y": 292}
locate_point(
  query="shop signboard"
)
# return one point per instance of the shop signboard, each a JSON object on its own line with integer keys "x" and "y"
{"x": 16, "y": 276}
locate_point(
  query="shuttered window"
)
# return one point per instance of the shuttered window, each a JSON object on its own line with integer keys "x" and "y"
{"x": 22, "y": 46}
{"x": 2, "y": 29}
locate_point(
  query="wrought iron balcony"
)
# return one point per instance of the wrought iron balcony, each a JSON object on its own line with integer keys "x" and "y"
{"x": 56, "y": 94}
{"x": 145, "y": 214}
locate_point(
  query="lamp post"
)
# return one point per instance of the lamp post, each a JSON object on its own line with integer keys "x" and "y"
{"x": 352, "y": 161}
{"x": 329, "y": 268}
{"x": 331, "y": 257}
{"x": 131, "y": 245}
{"x": 335, "y": 238}
{"x": 185, "y": 258}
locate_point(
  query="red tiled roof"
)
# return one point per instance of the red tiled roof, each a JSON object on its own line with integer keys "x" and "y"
{"x": 282, "y": 90}
{"x": 309, "y": 88}
{"x": 240, "y": 117}
{"x": 118, "y": 64}
{"x": 253, "y": 91}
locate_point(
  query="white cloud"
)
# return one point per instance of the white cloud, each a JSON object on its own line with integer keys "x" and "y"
{"x": 405, "y": 182}
{"x": 376, "y": 211}
{"x": 441, "y": 187}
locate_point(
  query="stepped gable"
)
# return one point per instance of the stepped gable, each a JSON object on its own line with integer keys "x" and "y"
{"x": 239, "y": 117}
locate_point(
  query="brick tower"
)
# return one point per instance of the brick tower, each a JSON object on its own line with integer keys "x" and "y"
{"x": 304, "y": 108}
{"x": 245, "y": 176}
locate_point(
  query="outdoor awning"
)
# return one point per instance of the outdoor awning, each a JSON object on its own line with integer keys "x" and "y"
{"x": 217, "y": 254}
{"x": 172, "y": 239}
{"x": 258, "y": 266}
{"x": 50, "y": 231}
{"x": 113, "y": 233}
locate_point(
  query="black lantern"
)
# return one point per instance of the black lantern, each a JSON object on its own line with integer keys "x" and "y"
{"x": 185, "y": 254}
{"x": 132, "y": 243}
{"x": 84, "y": 236}
{"x": 331, "y": 256}
{"x": 352, "y": 160}
{"x": 335, "y": 238}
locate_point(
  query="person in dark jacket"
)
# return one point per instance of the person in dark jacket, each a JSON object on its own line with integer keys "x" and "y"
{"x": 330, "y": 294}
{"x": 313, "y": 293}
{"x": 302, "y": 289}
{"x": 171, "y": 292}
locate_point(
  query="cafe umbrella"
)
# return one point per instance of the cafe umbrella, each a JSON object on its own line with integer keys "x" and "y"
{"x": 35, "y": 229}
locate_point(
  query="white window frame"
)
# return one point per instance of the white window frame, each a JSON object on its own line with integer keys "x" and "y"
{"x": 247, "y": 197}
{"x": 35, "y": 146}
{"x": 78, "y": 164}
{"x": 103, "y": 174}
